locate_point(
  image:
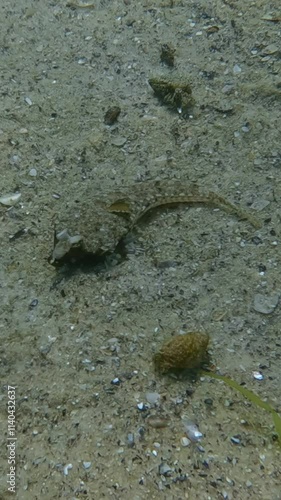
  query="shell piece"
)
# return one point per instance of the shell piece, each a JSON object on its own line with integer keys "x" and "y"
{"x": 10, "y": 199}
{"x": 183, "y": 352}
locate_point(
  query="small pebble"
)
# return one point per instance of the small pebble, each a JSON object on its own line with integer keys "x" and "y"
{"x": 265, "y": 304}
{"x": 82, "y": 60}
{"x": 131, "y": 440}
{"x": 236, "y": 69}
{"x": 87, "y": 465}
{"x": 33, "y": 172}
{"x": 119, "y": 141}
{"x": 164, "y": 469}
{"x": 185, "y": 441}
{"x": 258, "y": 375}
{"x": 152, "y": 397}
{"x": 33, "y": 303}
{"x": 208, "y": 402}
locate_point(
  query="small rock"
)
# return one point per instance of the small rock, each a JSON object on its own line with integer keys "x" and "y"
{"x": 115, "y": 381}
{"x": 87, "y": 465}
{"x": 260, "y": 204}
{"x": 131, "y": 440}
{"x": 185, "y": 441}
{"x": 164, "y": 469}
{"x": 228, "y": 89}
{"x": 236, "y": 69}
{"x": 119, "y": 141}
{"x": 152, "y": 397}
{"x": 266, "y": 304}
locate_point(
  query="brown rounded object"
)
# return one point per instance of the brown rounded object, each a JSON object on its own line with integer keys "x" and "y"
{"x": 183, "y": 352}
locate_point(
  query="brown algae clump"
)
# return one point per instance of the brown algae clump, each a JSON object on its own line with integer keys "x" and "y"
{"x": 183, "y": 352}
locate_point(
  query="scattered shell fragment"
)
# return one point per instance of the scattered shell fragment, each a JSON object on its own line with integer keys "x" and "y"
{"x": 67, "y": 468}
{"x": 32, "y": 172}
{"x": 185, "y": 441}
{"x": 236, "y": 69}
{"x": 28, "y": 101}
{"x": 266, "y": 304}
{"x": 64, "y": 242}
{"x": 119, "y": 141}
{"x": 87, "y": 465}
{"x": 165, "y": 469}
{"x": 182, "y": 352}
{"x": 10, "y": 200}
{"x": 191, "y": 430}
{"x": 130, "y": 440}
{"x": 258, "y": 375}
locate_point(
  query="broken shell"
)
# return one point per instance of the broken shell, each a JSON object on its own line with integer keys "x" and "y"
{"x": 258, "y": 375}
{"x": 67, "y": 468}
{"x": 188, "y": 351}
{"x": 191, "y": 430}
{"x": 64, "y": 244}
{"x": 10, "y": 199}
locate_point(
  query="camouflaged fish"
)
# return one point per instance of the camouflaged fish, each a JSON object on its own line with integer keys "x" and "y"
{"x": 96, "y": 224}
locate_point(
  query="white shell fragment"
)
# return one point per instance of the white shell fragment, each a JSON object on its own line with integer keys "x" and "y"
{"x": 191, "y": 430}
{"x": 67, "y": 468}
{"x": 10, "y": 200}
{"x": 87, "y": 465}
{"x": 258, "y": 375}
{"x": 64, "y": 244}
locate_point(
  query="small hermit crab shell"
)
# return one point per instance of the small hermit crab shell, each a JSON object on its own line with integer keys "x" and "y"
{"x": 182, "y": 352}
